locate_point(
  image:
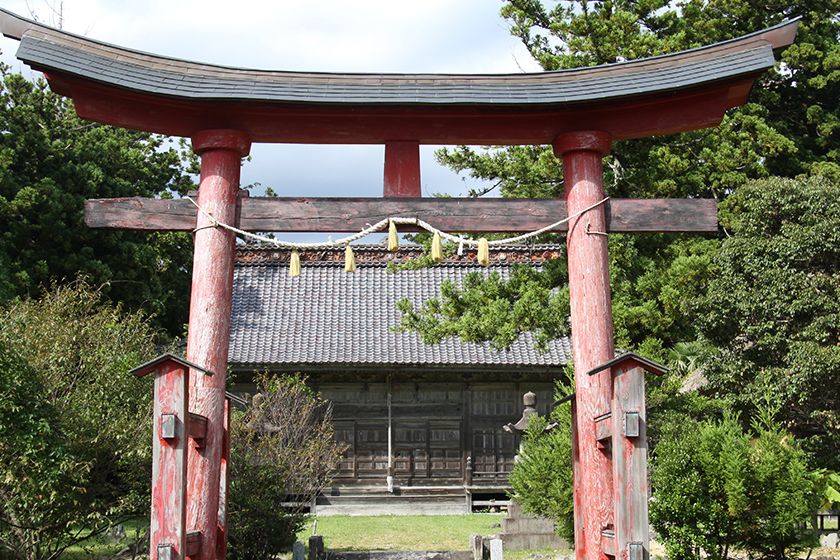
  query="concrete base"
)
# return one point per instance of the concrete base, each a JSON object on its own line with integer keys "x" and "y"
{"x": 521, "y": 531}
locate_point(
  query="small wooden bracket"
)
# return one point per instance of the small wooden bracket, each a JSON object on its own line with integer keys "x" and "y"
{"x": 197, "y": 428}
{"x": 608, "y": 541}
{"x": 603, "y": 428}
{"x": 193, "y": 547}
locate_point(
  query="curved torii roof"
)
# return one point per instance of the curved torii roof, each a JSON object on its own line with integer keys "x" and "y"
{"x": 658, "y": 95}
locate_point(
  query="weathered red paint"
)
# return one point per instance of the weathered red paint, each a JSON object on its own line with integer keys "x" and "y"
{"x": 630, "y": 461}
{"x": 224, "y": 473}
{"x": 209, "y": 327}
{"x": 169, "y": 461}
{"x": 592, "y": 329}
{"x": 577, "y": 480}
{"x": 647, "y": 115}
{"x": 402, "y": 169}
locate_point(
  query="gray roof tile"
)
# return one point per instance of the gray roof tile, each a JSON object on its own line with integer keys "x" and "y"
{"x": 565, "y": 86}
{"x": 327, "y": 316}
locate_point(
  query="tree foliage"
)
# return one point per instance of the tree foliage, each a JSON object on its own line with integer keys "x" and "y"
{"x": 493, "y": 308}
{"x": 716, "y": 487}
{"x": 74, "y": 427}
{"x": 772, "y": 307}
{"x": 50, "y": 162}
{"x": 283, "y": 451}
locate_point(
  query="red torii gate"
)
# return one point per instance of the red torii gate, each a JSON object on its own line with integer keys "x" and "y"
{"x": 579, "y": 112}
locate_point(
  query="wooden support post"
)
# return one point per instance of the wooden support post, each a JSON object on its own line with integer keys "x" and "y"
{"x": 629, "y": 538}
{"x": 167, "y": 531}
{"x": 173, "y": 426}
{"x": 209, "y": 327}
{"x": 402, "y": 169}
{"x": 592, "y": 336}
{"x": 630, "y": 462}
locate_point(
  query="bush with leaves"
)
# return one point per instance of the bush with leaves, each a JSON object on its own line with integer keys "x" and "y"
{"x": 542, "y": 480}
{"x": 772, "y": 308}
{"x": 283, "y": 451}
{"x": 74, "y": 427}
{"x": 717, "y": 487}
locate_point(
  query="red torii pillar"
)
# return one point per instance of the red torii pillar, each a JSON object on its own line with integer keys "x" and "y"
{"x": 592, "y": 333}
{"x": 221, "y": 152}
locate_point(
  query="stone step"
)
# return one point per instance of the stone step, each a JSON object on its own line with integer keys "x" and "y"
{"x": 392, "y": 508}
{"x": 400, "y": 555}
{"x": 533, "y": 541}
{"x": 527, "y": 525}
{"x": 390, "y": 498}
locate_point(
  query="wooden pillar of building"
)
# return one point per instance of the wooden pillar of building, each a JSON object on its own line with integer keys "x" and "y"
{"x": 592, "y": 334}
{"x": 221, "y": 152}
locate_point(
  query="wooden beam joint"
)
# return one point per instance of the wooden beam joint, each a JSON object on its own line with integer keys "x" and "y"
{"x": 197, "y": 428}
{"x": 193, "y": 546}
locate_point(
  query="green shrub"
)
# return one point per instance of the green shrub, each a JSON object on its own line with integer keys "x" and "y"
{"x": 283, "y": 450}
{"x": 74, "y": 426}
{"x": 716, "y": 487}
{"x": 542, "y": 479}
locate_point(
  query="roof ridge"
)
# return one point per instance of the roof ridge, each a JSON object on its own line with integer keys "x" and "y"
{"x": 377, "y": 255}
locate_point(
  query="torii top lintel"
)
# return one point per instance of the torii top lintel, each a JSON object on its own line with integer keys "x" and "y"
{"x": 660, "y": 95}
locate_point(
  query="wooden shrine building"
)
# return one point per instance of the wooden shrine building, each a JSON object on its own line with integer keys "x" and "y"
{"x": 578, "y": 112}
{"x": 436, "y": 410}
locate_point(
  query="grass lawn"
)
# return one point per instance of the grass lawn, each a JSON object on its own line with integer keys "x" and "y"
{"x": 103, "y": 547}
{"x": 402, "y": 532}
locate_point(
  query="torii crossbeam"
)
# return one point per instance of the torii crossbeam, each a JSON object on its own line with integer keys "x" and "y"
{"x": 579, "y": 112}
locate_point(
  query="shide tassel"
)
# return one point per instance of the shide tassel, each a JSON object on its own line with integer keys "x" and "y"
{"x": 393, "y": 241}
{"x": 294, "y": 264}
{"x": 483, "y": 252}
{"x": 349, "y": 260}
{"x": 437, "y": 250}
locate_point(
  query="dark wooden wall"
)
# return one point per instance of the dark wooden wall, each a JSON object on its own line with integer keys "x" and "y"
{"x": 437, "y": 424}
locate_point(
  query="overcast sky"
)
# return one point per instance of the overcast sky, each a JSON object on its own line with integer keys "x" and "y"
{"x": 466, "y": 36}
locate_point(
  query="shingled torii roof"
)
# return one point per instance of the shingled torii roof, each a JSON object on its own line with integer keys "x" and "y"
{"x": 111, "y": 84}
{"x": 327, "y": 319}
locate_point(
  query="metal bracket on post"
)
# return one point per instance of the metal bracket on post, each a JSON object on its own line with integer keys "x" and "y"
{"x": 174, "y": 425}
{"x": 626, "y": 427}
{"x": 165, "y": 552}
{"x": 636, "y": 551}
{"x": 168, "y": 426}
{"x": 631, "y": 424}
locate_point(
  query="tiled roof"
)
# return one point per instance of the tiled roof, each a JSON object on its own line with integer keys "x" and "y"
{"x": 327, "y": 316}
